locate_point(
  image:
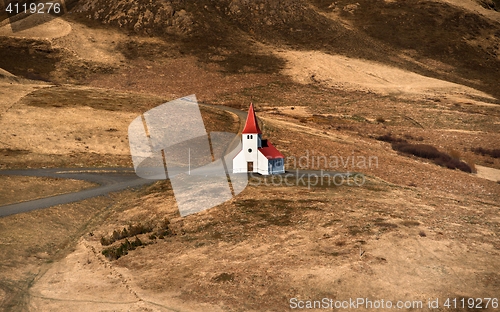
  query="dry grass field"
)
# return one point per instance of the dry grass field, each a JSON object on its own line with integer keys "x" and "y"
{"x": 333, "y": 83}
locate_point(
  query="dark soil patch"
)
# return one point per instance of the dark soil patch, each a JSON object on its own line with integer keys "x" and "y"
{"x": 410, "y": 223}
{"x": 13, "y": 152}
{"x": 95, "y": 98}
{"x": 28, "y": 58}
{"x": 267, "y": 212}
{"x": 224, "y": 277}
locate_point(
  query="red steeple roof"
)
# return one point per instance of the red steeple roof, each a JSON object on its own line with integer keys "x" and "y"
{"x": 251, "y": 126}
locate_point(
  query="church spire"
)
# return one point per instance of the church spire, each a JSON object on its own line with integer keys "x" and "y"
{"x": 251, "y": 125}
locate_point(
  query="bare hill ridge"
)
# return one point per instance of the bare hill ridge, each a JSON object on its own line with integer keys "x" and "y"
{"x": 408, "y": 34}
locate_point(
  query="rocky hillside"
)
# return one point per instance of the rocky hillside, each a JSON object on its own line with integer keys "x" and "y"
{"x": 411, "y": 34}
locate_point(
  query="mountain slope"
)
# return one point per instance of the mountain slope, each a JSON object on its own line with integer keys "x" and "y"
{"x": 410, "y": 34}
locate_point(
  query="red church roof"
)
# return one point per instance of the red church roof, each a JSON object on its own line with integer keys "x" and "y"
{"x": 270, "y": 151}
{"x": 251, "y": 126}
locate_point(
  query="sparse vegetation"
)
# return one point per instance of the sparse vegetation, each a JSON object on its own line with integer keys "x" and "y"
{"x": 114, "y": 253}
{"x": 273, "y": 239}
{"x": 494, "y": 153}
{"x": 428, "y": 152}
{"x": 131, "y": 231}
{"x": 389, "y": 138}
{"x": 471, "y": 164}
{"x": 161, "y": 230}
{"x": 224, "y": 277}
{"x": 411, "y": 137}
{"x": 410, "y": 223}
{"x": 454, "y": 154}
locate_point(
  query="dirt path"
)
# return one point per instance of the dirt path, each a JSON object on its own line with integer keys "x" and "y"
{"x": 116, "y": 291}
{"x": 487, "y": 173}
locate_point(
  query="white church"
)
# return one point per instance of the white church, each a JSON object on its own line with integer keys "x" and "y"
{"x": 257, "y": 155}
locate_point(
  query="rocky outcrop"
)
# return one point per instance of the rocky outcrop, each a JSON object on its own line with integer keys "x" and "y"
{"x": 148, "y": 17}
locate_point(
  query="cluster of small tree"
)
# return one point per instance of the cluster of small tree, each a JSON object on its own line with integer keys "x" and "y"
{"x": 162, "y": 231}
{"x": 114, "y": 253}
{"x": 131, "y": 231}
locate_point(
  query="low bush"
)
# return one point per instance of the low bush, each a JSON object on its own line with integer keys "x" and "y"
{"x": 131, "y": 231}
{"x": 471, "y": 164}
{"x": 495, "y": 153}
{"x": 410, "y": 137}
{"x": 430, "y": 152}
{"x": 453, "y": 163}
{"x": 419, "y": 150}
{"x": 390, "y": 139}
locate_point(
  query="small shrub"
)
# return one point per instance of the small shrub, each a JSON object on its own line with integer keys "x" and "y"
{"x": 386, "y": 224}
{"x": 105, "y": 241}
{"x": 419, "y": 150}
{"x": 224, "y": 277}
{"x": 494, "y": 153}
{"x": 410, "y": 223}
{"x": 472, "y": 165}
{"x": 390, "y": 139}
{"x": 137, "y": 242}
{"x": 124, "y": 233}
{"x": 164, "y": 229}
{"x": 410, "y": 137}
{"x": 454, "y": 154}
{"x": 116, "y": 235}
{"x": 453, "y": 163}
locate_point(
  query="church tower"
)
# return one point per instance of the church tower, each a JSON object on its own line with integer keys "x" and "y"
{"x": 256, "y": 155}
{"x": 251, "y": 138}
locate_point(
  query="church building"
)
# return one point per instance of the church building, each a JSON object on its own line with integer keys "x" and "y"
{"x": 257, "y": 155}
